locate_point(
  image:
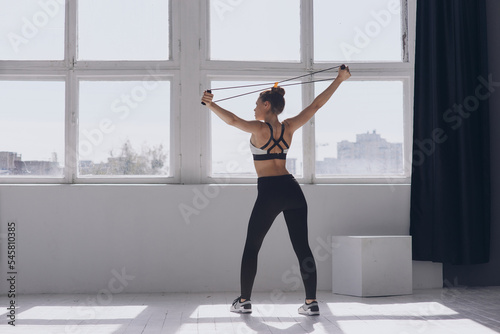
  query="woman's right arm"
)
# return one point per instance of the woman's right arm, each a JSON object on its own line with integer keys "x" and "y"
{"x": 305, "y": 115}
{"x": 229, "y": 117}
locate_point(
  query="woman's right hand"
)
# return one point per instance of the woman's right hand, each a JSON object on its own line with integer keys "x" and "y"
{"x": 344, "y": 74}
{"x": 207, "y": 98}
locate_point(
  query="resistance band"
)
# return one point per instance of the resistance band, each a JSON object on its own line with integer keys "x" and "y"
{"x": 275, "y": 84}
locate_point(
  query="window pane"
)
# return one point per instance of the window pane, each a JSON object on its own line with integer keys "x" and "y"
{"x": 360, "y": 131}
{"x": 124, "y": 128}
{"x": 362, "y": 30}
{"x": 259, "y": 30}
{"x": 32, "y": 128}
{"x": 123, "y": 30}
{"x": 230, "y": 146}
{"x": 32, "y": 30}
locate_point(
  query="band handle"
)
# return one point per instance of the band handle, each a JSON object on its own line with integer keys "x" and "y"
{"x": 208, "y": 91}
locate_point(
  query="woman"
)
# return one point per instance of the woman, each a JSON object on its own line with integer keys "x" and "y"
{"x": 278, "y": 191}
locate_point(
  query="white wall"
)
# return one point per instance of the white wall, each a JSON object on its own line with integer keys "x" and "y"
{"x": 75, "y": 238}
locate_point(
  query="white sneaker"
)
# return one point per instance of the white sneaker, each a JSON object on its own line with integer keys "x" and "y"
{"x": 241, "y": 307}
{"x": 309, "y": 309}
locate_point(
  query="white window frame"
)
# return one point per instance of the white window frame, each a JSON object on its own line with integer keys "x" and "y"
{"x": 403, "y": 71}
{"x": 190, "y": 71}
{"x": 72, "y": 71}
{"x": 132, "y": 75}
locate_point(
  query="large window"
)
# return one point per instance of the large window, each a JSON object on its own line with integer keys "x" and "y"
{"x": 363, "y": 133}
{"x": 85, "y": 91}
{"x": 108, "y": 91}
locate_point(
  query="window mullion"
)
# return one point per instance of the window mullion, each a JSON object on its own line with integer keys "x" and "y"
{"x": 71, "y": 116}
{"x": 71, "y": 129}
{"x": 190, "y": 119}
{"x": 404, "y": 31}
{"x": 307, "y": 33}
{"x": 307, "y": 50}
{"x": 70, "y": 33}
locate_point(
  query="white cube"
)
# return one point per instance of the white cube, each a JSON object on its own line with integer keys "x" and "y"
{"x": 369, "y": 266}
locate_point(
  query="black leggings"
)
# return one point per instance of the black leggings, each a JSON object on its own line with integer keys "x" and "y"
{"x": 278, "y": 194}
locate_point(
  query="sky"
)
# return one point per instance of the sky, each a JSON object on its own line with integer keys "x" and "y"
{"x": 32, "y": 113}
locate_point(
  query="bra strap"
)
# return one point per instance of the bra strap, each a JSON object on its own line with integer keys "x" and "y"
{"x": 270, "y": 128}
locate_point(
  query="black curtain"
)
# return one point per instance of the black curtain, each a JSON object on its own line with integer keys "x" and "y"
{"x": 450, "y": 194}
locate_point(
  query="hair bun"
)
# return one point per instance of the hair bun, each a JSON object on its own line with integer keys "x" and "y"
{"x": 278, "y": 90}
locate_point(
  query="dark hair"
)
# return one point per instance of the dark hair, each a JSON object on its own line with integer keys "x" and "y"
{"x": 275, "y": 97}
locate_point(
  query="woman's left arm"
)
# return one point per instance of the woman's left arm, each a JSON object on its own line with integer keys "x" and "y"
{"x": 229, "y": 117}
{"x": 305, "y": 115}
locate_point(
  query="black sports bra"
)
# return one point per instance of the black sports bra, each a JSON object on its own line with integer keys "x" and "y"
{"x": 263, "y": 154}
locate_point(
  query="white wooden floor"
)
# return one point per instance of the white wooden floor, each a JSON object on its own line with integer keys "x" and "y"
{"x": 441, "y": 311}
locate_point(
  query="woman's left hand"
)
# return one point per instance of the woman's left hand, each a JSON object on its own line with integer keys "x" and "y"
{"x": 344, "y": 74}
